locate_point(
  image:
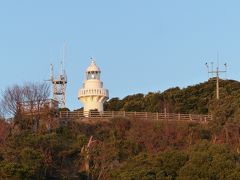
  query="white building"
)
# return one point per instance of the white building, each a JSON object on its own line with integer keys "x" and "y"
{"x": 93, "y": 95}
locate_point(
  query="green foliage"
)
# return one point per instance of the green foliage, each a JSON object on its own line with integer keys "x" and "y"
{"x": 193, "y": 99}
{"x": 22, "y": 159}
{"x": 32, "y": 162}
{"x": 210, "y": 161}
{"x": 161, "y": 166}
{"x": 113, "y": 104}
{"x": 169, "y": 163}
{"x": 29, "y": 155}
{"x": 202, "y": 161}
{"x": 139, "y": 167}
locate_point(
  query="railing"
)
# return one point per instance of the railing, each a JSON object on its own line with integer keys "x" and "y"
{"x": 37, "y": 105}
{"x": 97, "y": 91}
{"x": 138, "y": 115}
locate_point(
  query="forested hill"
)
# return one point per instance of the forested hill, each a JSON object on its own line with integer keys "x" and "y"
{"x": 44, "y": 146}
{"x": 193, "y": 99}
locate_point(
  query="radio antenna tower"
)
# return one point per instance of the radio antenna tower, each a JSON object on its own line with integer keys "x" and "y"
{"x": 59, "y": 84}
{"x": 216, "y": 73}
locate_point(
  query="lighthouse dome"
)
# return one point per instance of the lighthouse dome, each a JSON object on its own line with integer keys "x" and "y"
{"x": 93, "y": 67}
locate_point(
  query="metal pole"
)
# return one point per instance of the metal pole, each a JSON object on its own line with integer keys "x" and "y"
{"x": 217, "y": 72}
{"x": 165, "y": 113}
{"x": 217, "y": 88}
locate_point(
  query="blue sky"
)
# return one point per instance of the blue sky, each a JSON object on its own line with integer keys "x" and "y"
{"x": 140, "y": 45}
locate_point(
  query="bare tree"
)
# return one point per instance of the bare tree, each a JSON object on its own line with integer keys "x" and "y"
{"x": 35, "y": 95}
{"x": 29, "y": 101}
{"x": 30, "y": 97}
{"x": 11, "y": 98}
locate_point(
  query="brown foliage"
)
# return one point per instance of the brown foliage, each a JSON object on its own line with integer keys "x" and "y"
{"x": 4, "y": 131}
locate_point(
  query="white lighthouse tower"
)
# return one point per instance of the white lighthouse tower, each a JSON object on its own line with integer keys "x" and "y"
{"x": 93, "y": 95}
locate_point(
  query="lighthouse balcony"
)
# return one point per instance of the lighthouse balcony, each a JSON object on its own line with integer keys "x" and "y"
{"x": 93, "y": 92}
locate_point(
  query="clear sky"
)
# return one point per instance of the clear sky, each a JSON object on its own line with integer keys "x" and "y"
{"x": 140, "y": 45}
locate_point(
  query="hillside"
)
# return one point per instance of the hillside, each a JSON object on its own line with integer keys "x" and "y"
{"x": 124, "y": 148}
{"x": 121, "y": 149}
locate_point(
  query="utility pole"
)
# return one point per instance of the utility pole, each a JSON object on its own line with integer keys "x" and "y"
{"x": 216, "y": 73}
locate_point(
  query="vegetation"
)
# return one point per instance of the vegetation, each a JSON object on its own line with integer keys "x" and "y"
{"x": 193, "y": 99}
{"x": 123, "y": 148}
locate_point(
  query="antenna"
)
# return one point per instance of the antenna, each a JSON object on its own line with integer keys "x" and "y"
{"x": 64, "y": 60}
{"x": 64, "y": 55}
{"x": 61, "y": 67}
{"x": 226, "y": 69}
{"x": 206, "y": 64}
{"x": 59, "y": 84}
{"x": 52, "y": 72}
{"x": 216, "y": 73}
{"x": 212, "y": 65}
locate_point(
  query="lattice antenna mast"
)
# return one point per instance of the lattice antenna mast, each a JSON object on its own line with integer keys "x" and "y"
{"x": 216, "y": 73}
{"x": 59, "y": 84}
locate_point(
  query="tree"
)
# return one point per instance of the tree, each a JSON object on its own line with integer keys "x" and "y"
{"x": 30, "y": 96}
{"x": 11, "y": 99}
{"x": 36, "y": 94}
{"x": 4, "y": 130}
{"x": 163, "y": 165}
{"x": 225, "y": 112}
{"x": 114, "y": 104}
{"x": 210, "y": 161}
{"x": 29, "y": 99}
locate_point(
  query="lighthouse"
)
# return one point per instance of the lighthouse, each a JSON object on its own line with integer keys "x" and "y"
{"x": 92, "y": 94}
